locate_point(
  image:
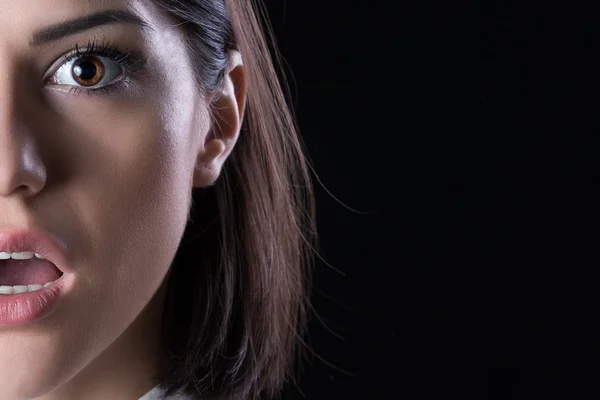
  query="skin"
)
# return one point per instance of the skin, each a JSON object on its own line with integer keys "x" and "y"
{"x": 111, "y": 175}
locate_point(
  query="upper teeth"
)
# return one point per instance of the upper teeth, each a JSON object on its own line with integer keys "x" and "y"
{"x": 23, "y": 255}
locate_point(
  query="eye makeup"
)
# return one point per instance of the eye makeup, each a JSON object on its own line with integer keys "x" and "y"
{"x": 128, "y": 60}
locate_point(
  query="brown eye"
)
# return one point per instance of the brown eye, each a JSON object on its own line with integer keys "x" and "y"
{"x": 88, "y": 71}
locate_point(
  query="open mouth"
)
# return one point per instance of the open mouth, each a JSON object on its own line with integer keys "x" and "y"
{"x": 25, "y": 272}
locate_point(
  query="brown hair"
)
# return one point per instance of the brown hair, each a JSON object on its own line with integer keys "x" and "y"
{"x": 237, "y": 294}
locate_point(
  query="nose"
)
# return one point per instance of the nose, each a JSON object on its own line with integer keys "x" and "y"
{"x": 21, "y": 167}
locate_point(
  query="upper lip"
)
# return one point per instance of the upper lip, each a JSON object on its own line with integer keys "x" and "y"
{"x": 37, "y": 241}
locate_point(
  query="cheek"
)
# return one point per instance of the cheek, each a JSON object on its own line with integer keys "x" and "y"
{"x": 137, "y": 185}
{"x": 131, "y": 165}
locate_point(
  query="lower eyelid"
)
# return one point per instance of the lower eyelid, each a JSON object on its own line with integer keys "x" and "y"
{"x": 115, "y": 87}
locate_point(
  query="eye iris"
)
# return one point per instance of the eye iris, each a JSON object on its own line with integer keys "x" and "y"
{"x": 88, "y": 71}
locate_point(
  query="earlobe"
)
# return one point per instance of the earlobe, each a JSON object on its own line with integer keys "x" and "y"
{"x": 228, "y": 108}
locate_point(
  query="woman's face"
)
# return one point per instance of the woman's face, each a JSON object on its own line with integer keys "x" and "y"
{"x": 107, "y": 172}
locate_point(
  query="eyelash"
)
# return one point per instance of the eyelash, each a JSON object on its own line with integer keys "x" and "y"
{"x": 129, "y": 60}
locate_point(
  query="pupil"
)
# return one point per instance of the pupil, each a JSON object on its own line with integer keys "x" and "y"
{"x": 85, "y": 70}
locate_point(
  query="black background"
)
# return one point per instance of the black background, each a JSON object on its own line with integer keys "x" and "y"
{"x": 456, "y": 145}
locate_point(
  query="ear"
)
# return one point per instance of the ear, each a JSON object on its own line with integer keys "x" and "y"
{"x": 227, "y": 107}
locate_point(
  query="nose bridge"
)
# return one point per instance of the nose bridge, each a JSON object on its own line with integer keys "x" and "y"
{"x": 19, "y": 161}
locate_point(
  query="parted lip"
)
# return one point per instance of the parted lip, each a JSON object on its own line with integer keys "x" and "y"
{"x": 37, "y": 241}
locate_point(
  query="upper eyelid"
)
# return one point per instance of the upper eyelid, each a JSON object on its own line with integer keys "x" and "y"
{"x": 93, "y": 48}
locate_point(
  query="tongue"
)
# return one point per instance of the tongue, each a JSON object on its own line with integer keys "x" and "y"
{"x": 27, "y": 272}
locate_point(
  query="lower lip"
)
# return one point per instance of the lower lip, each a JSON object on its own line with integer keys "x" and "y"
{"x": 25, "y": 308}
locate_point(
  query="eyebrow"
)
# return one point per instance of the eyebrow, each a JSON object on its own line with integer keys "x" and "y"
{"x": 77, "y": 25}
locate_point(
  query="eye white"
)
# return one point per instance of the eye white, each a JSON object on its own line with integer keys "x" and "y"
{"x": 64, "y": 75}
